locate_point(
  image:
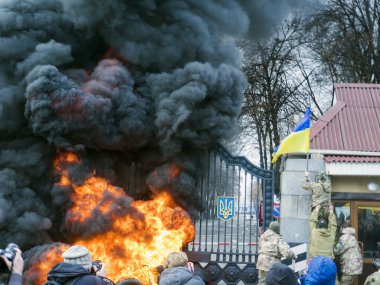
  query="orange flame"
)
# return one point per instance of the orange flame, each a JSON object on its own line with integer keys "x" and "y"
{"x": 42, "y": 263}
{"x": 138, "y": 241}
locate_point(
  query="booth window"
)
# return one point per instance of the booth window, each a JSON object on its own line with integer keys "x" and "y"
{"x": 343, "y": 213}
{"x": 369, "y": 230}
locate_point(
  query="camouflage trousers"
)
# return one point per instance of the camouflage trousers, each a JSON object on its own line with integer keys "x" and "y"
{"x": 346, "y": 279}
{"x": 262, "y": 277}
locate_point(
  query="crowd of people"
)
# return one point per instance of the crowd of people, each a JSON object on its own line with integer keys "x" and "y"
{"x": 78, "y": 268}
{"x": 332, "y": 260}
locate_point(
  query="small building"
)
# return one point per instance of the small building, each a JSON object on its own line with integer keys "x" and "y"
{"x": 344, "y": 142}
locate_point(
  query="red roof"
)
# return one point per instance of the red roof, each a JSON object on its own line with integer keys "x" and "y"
{"x": 355, "y": 159}
{"x": 353, "y": 123}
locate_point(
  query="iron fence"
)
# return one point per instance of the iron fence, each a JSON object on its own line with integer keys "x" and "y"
{"x": 225, "y": 252}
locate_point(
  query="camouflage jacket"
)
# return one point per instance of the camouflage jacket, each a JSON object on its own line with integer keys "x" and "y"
{"x": 373, "y": 279}
{"x": 322, "y": 240}
{"x": 271, "y": 249}
{"x": 320, "y": 192}
{"x": 350, "y": 257}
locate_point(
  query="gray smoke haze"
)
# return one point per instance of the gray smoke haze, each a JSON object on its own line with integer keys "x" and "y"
{"x": 266, "y": 14}
{"x": 155, "y": 82}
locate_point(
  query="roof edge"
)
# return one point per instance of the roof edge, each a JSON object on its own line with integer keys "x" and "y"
{"x": 321, "y": 123}
{"x": 356, "y": 85}
{"x": 344, "y": 152}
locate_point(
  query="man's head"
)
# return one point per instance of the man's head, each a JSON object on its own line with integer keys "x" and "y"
{"x": 275, "y": 226}
{"x": 280, "y": 274}
{"x": 322, "y": 223}
{"x": 78, "y": 254}
{"x": 176, "y": 259}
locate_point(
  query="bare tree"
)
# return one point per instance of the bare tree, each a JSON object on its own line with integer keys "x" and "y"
{"x": 276, "y": 87}
{"x": 344, "y": 34}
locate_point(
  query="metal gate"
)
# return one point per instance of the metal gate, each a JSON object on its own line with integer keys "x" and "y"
{"x": 225, "y": 252}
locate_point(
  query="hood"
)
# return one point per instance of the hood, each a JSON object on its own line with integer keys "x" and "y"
{"x": 322, "y": 176}
{"x": 321, "y": 270}
{"x": 349, "y": 231}
{"x": 176, "y": 276}
{"x": 65, "y": 271}
{"x": 268, "y": 235}
{"x": 280, "y": 274}
{"x": 324, "y": 232}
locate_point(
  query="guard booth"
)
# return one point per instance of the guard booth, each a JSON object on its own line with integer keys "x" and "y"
{"x": 227, "y": 233}
{"x": 344, "y": 142}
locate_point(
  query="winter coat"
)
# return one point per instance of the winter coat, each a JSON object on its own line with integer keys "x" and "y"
{"x": 271, "y": 249}
{"x": 66, "y": 273}
{"x": 350, "y": 257}
{"x": 373, "y": 279}
{"x": 322, "y": 240}
{"x": 179, "y": 276}
{"x": 280, "y": 274}
{"x": 320, "y": 192}
{"x": 321, "y": 271}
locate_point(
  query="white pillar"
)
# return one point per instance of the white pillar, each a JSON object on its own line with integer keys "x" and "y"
{"x": 295, "y": 201}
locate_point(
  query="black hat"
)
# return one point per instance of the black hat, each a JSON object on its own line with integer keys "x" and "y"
{"x": 280, "y": 274}
{"x": 322, "y": 223}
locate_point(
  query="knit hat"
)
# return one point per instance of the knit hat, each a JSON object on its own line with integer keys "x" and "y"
{"x": 275, "y": 226}
{"x": 280, "y": 274}
{"x": 78, "y": 254}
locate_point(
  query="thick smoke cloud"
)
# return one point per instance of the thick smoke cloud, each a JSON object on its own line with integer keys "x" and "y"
{"x": 102, "y": 112}
{"x": 164, "y": 34}
{"x": 155, "y": 82}
{"x": 196, "y": 104}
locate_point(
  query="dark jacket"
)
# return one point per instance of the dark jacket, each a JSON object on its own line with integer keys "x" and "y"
{"x": 179, "y": 276}
{"x": 280, "y": 274}
{"x": 15, "y": 279}
{"x": 321, "y": 271}
{"x": 64, "y": 273}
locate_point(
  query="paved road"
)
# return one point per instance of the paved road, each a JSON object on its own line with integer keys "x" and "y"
{"x": 231, "y": 236}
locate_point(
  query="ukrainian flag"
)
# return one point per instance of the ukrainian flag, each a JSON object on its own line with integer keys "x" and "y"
{"x": 297, "y": 141}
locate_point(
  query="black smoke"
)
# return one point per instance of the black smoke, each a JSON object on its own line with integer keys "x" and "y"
{"x": 154, "y": 82}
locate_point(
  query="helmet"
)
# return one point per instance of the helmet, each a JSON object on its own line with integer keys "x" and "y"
{"x": 376, "y": 263}
{"x": 321, "y": 176}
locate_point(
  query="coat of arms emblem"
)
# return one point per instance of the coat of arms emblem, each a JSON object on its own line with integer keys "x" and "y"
{"x": 226, "y": 208}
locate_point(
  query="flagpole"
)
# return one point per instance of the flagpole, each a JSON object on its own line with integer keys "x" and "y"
{"x": 308, "y": 153}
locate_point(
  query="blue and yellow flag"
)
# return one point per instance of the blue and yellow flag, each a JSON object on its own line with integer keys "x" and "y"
{"x": 297, "y": 141}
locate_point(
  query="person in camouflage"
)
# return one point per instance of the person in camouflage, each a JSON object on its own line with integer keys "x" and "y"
{"x": 350, "y": 258}
{"x": 320, "y": 190}
{"x": 271, "y": 249}
{"x": 322, "y": 234}
{"x": 374, "y": 278}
